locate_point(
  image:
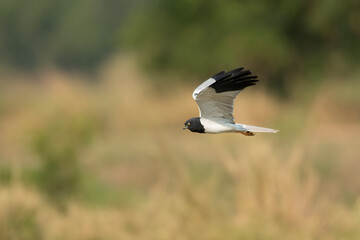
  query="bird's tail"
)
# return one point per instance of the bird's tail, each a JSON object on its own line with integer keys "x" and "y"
{"x": 249, "y": 130}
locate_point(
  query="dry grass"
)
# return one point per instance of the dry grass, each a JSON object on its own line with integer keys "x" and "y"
{"x": 144, "y": 178}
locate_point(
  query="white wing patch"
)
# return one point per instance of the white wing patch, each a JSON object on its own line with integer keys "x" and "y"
{"x": 214, "y": 105}
{"x": 216, "y": 100}
{"x": 202, "y": 87}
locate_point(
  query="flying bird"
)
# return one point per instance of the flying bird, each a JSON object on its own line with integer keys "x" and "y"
{"x": 215, "y": 98}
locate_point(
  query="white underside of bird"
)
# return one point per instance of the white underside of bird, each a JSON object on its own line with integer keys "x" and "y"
{"x": 220, "y": 126}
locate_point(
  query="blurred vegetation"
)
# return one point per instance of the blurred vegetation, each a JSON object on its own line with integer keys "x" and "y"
{"x": 75, "y": 35}
{"x": 59, "y": 173}
{"x": 125, "y": 169}
{"x": 20, "y": 224}
{"x": 282, "y": 40}
{"x": 5, "y": 175}
{"x": 112, "y": 152}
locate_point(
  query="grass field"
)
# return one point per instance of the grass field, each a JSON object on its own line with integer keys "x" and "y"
{"x": 109, "y": 160}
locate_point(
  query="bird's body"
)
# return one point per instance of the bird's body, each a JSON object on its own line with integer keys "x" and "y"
{"x": 217, "y": 125}
{"x": 215, "y": 98}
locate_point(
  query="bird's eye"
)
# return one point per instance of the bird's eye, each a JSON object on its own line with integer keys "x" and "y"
{"x": 188, "y": 124}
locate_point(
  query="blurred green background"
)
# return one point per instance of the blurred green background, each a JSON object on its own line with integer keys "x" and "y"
{"x": 282, "y": 40}
{"x": 93, "y": 96}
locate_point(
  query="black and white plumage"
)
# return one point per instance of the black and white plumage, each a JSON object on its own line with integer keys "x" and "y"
{"x": 215, "y": 98}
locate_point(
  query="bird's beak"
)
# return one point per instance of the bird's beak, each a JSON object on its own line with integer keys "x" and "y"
{"x": 185, "y": 127}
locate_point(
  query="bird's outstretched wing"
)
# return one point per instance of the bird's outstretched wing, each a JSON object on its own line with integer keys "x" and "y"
{"x": 216, "y": 95}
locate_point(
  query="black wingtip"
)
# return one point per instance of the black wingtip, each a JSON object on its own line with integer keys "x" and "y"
{"x": 237, "y": 70}
{"x": 236, "y": 79}
{"x": 218, "y": 74}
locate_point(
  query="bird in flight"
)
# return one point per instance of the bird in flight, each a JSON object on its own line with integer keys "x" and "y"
{"x": 215, "y": 98}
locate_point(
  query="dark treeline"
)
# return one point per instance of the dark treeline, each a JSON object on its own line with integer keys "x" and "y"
{"x": 279, "y": 39}
{"x": 75, "y": 34}
{"x": 282, "y": 41}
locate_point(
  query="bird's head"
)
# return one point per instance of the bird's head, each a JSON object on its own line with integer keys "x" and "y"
{"x": 194, "y": 125}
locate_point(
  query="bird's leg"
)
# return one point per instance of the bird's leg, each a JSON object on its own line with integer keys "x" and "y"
{"x": 247, "y": 133}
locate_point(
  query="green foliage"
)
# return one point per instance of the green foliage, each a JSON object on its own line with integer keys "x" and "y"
{"x": 57, "y": 146}
{"x": 72, "y": 34}
{"x": 282, "y": 41}
{"x": 276, "y": 39}
{"x": 5, "y": 174}
{"x": 20, "y": 224}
